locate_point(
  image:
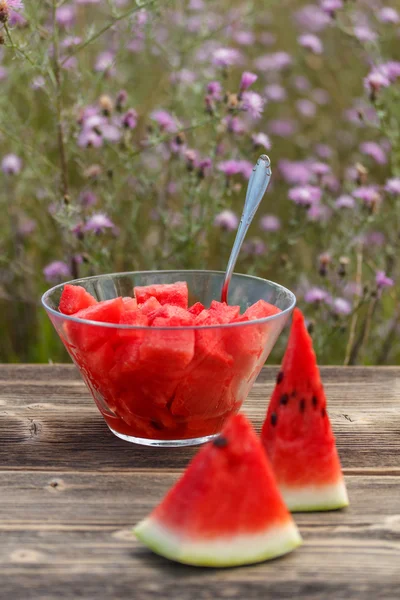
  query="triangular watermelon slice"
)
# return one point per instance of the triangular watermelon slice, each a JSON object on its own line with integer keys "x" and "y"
{"x": 297, "y": 433}
{"x": 226, "y": 508}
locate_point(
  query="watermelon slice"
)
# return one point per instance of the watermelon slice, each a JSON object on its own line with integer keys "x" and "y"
{"x": 166, "y": 293}
{"x": 74, "y": 298}
{"x": 226, "y": 509}
{"x": 297, "y": 433}
{"x": 87, "y": 337}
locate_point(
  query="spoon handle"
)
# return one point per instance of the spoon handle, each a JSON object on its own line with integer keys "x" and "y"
{"x": 258, "y": 183}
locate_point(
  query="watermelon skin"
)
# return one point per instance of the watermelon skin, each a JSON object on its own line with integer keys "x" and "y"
{"x": 176, "y": 294}
{"x": 213, "y": 516}
{"x": 297, "y": 434}
{"x": 74, "y": 298}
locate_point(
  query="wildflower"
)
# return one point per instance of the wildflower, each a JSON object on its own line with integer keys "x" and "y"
{"x": 368, "y": 194}
{"x": 244, "y": 38}
{"x": 214, "y": 90}
{"x": 261, "y": 139}
{"x": 282, "y": 127}
{"x": 164, "y": 120}
{"x": 247, "y": 80}
{"x": 226, "y": 220}
{"x": 270, "y": 223}
{"x": 121, "y": 100}
{"x": 226, "y": 57}
{"x": 11, "y": 164}
{"x": 387, "y": 14}
{"x": 320, "y": 168}
{"x": 319, "y": 212}
{"x": 315, "y": 295}
{"x": 306, "y": 108}
{"x": 253, "y": 103}
{"x": 305, "y": 195}
{"x": 311, "y": 42}
{"x": 38, "y": 82}
{"x": 66, "y": 15}
{"x": 393, "y": 186}
{"x": 254, "y": 247}
{"x": 98, "y": 223}
{"x": 364, "y": 33}
{"x": 382, "y": 280}
{"x": 234, "y": 124}
{"x": 129, "y": 120}
{"x": 56, "y": 271}
{"x": 301, "y": 83}
{"x": 331, "y": 6}
{"x": 277, "y": 61}
{"x": 89, "y": 139}
{"x": 295, "y": 172}
{"x": 275, "y": 92}
{"x": 88, "y": 198}
{"x": 104, "y": 61}
{"x": 6, "y": 8}
{"x": 343, "y": 264}
{"x": 374, "y": 81}
{"x": 320, "y": 96}
{"x": 345, "y": 201}
{"x": 323, "y": 151}
{"x": 341, "y": 306}
{"x": 230, "y": 167}
{"x": 375, "y": 151}
{"x": 26, "y": 227}
{"x": 312, "y": 18}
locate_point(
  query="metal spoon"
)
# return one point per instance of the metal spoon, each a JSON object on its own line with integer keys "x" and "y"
{"x": 256, "y": 189}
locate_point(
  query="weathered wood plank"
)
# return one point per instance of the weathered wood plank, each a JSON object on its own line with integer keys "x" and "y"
{"x": 50, "y": 421}
{"x": 74, "y": 539}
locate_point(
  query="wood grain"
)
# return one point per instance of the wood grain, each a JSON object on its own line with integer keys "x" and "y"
{"x": 70, "y": 492}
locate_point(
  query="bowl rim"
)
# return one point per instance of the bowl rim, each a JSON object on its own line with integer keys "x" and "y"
{"x": 71, "y": 318}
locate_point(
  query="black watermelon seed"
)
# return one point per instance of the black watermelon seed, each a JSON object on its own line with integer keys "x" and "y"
{"x": 315, "y": 401}
{"x": 323, "y": 412}
{"x": 302, "y": 405}
{"x": 284, "y": 399}
{"x": 294, "y": 394}
{"x": 220, "y": 442}
{"x": 274, "y": 419}
{"x": 156, "y": 425}
{"x": 279, "y": 377}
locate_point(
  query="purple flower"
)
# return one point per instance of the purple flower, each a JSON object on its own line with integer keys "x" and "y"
{"x": 226, "y": 57}
{"x": 230, "y": 167}
{"x": 270, "y": 223}
{"x": 104, "y": 61}
{"x": 393, "y": 186}
{"x": 65, "y": 15}
{"x": 276, "y": 61}
{"x": 301, "y": 83}
{"x": 392, "y": 69}
{"x": 254, "y": 247}
{"x": 234, "y": 124}
{"x": 305, "y": 195}
{"x": 88, "y": 198}
{"x": 26, "y": 227}
{"x": 261, "y": 139}
{"x": 226, "y": 220}
{"x": 320, "y": 96}
{"x": 56, "y": 271}
{"x": 295, "y": 172}
{"x": 244, "y": 38}
{"x": 382, "y": 280}
{"x": 129, "y": 120}
{"x": 89, "y": 139}
{"x": 345, "y": 201}
{"x": 316, "y": 295}
{"x": 15, "y": 4}
{"x": 282, "y": 127}
{"x": 367, "y": 193}
{"x": 341, "y": 306}
{"x": 311, "y": 42}
{"x": 375, "y": 151}
{"x": 184, "y": 76}
{"x": 373, "y": 238}
{"x": 267, "y": 38}
{"x": 38, "y": 82}
{"x": 331, "y": 6}
{"x": 214, "y": 89}
{"x": 320, "y": 168}
{"x": 11, "y": 164}
{"x": 376, "y": 80}
{"x": 312, "y": 18}
{"x": 98, "y": 223}
{"x": 323, "y": 151}
{"x": 164, "y": 120}
{"x": 306, "y": 108}
{"x": 253, "y": 103}
{"x": 387, "y": 14}
{"x": 364, "y": 33}
{"x": 319, "y": 212}
{"x": 247, "y": 80}
{"x": 246, "y": 168}
{"x": 110, "y": 132}
{"x": 275, "y": 92}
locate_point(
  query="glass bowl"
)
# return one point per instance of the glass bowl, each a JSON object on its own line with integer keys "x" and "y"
{"x": 171, "y": 386}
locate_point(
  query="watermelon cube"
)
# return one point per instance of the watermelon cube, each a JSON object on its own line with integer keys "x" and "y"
{"x": 167, "y": 350}
{"x": 166, "y": 293}
{"x": 86, "y": 337}
{"x": 222, "y": 312}
{"x": 149, "y": 306}
{"x": 75, "y": 298}
{"x": 130, "y": 303}
{"x": 132, "y": 317}
{"x": 196, "y": 309}
{"x": 261, "y": 309}
{"x": 171, "y": 316}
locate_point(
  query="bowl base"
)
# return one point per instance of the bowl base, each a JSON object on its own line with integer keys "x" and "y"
{"x": 164, "y": 443}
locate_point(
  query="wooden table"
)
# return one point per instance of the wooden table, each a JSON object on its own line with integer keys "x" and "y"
{"x": 70, "y": 492}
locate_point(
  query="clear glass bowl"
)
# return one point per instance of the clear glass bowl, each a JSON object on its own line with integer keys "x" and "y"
{"x": 171, "y": 386}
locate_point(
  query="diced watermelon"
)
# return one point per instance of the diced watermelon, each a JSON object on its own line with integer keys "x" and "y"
{"x": 167, "y": 350}
{"x": 149, "y": 306}
{"x": 222, "y": 312}
{"x": 196, "y": 309}
{"x": 261, "y": 309}
{"x": 87, "y": 337}
{"x": 75, "y": 298}
{"x": 130, "y": 303}
{"x": 171, "y": 316}
{"x": 166, "y": 293}
{"x": 132, "y": 317}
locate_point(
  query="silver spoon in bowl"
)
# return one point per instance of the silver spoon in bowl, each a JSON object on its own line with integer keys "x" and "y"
{"x": 257, "y": 186}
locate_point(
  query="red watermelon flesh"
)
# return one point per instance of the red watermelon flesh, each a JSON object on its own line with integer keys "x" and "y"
{"x": 134, "y": 318}
{"x": 226, "y": 508}
{"x": 130, "y": 303}
{"x": 297, "y": 433}
{"x": 196, "y": 309}
{"x": 171, "y": 316}
{"x": 175, "y": 294}
{"x": 222, "y": 312}
{"x": 87, "y": 337}
{"x": 74, "y": 298}
{"x": 149, "y": 306}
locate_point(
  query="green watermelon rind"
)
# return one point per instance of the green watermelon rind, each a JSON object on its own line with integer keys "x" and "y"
{"x": 315, "y": 498}
{"x": 232, "y": 551}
